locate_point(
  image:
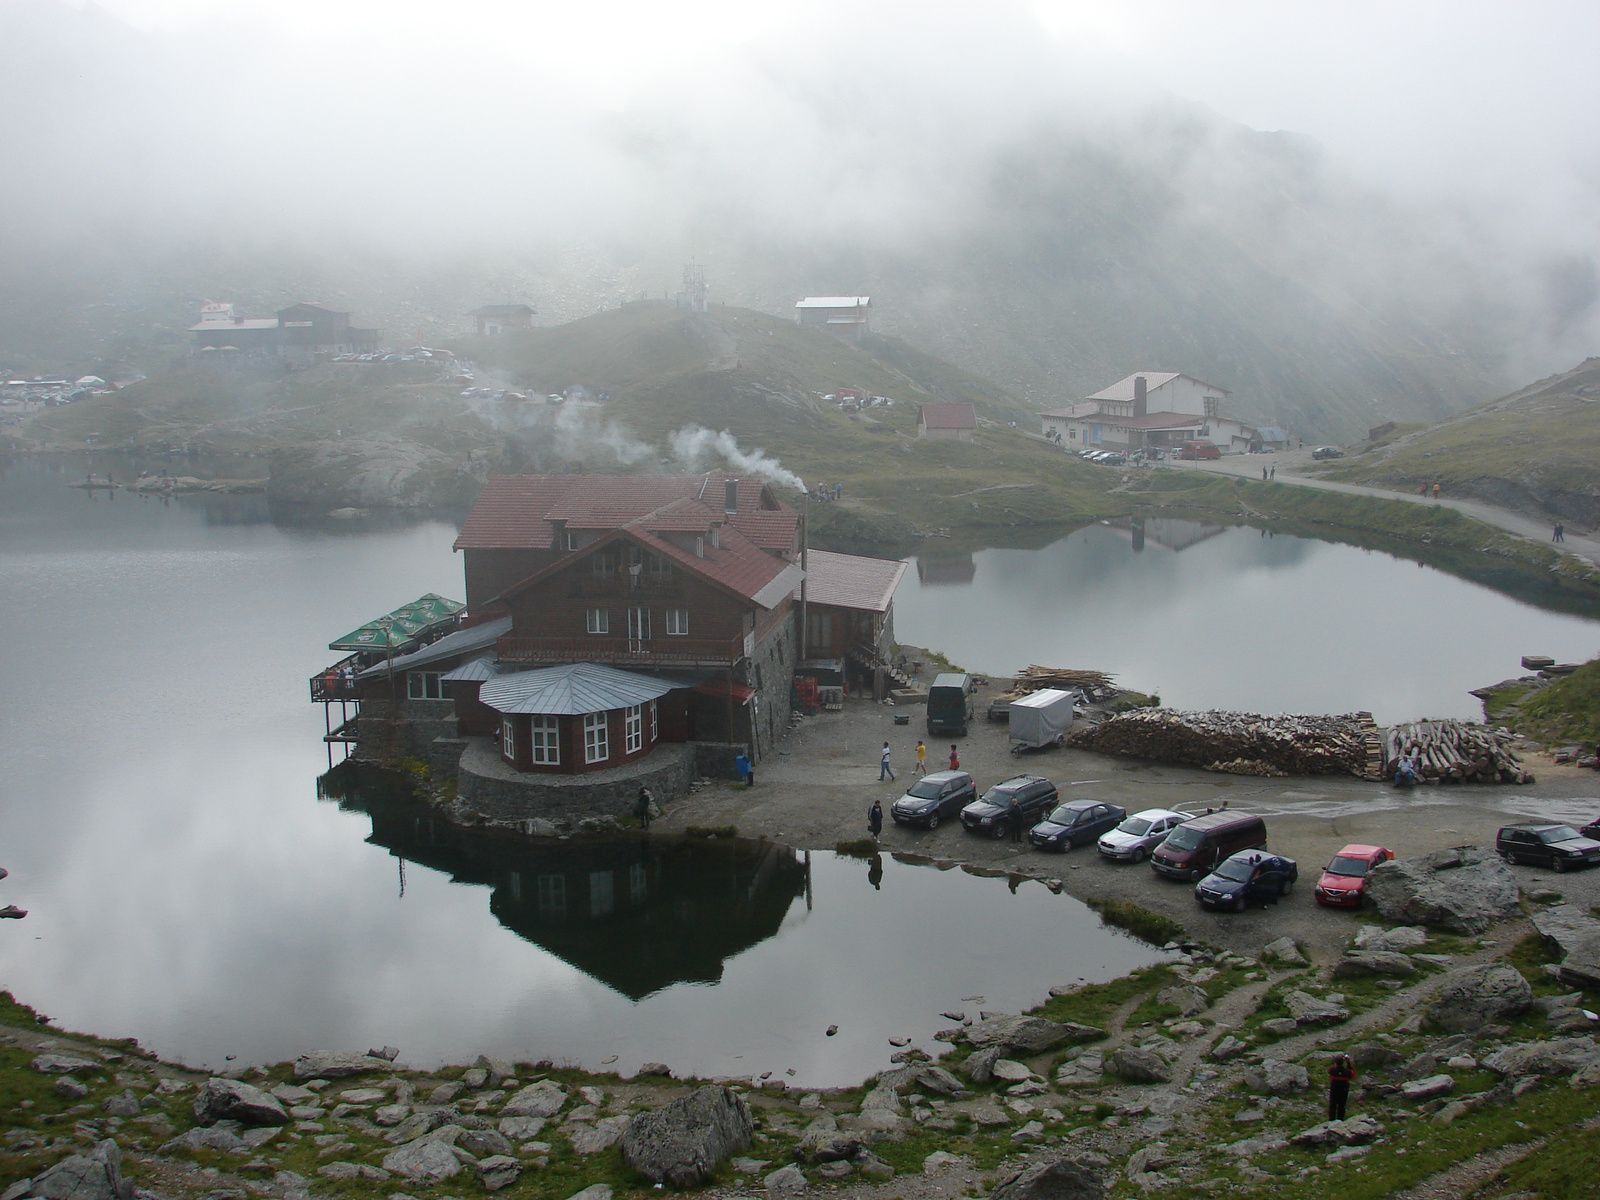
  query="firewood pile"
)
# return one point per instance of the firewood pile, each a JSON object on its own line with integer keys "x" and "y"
{"x": 1455, "y": 752}
{"x": 1242, "y": 743}
{"x": 1096, "y": 685}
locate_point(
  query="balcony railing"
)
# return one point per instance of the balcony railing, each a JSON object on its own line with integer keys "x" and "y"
{"x": 657, "y": 652}
{"x": 337, "y": 682}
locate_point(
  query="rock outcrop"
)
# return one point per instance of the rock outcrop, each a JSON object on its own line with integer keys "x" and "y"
{"x": 1028, "y": 1035}
{"x": 1576, "y": 936}
{"x": 333, "y": 1064}
{"x": 682, "y": 1142}
{"x": 1062, "y": 1179}
{"x": 96, "y": 1175}
{"x": 374, "y": 472}
{"x": 1462, "y": 890}
{"x": 235, "y": 1100}
{"x": 1478, "y": 996}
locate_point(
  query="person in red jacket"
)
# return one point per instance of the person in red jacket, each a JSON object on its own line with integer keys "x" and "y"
{"x": 1341, "y": 1074}
{"x": 955, "y": 759}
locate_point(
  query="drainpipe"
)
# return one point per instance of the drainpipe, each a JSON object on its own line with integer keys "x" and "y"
{"x": 805, "y": 547}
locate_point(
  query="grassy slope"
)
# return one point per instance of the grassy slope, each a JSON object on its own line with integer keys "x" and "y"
{"x": 1541, "y": 442}
{"x": 1562, "y": 712}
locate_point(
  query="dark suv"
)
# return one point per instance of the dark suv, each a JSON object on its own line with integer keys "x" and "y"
{"x": 1558, "y": 846}
{"x": 991, "y": 813}
{"x": 932, "y": 798}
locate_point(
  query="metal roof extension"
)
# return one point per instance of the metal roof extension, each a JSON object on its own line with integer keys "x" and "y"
{"x": 570, "y": 690}
{"x": 462, "y": 641}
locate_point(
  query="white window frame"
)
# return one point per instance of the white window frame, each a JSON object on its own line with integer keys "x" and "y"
{"x": 598, "y": 620}
{"x": 677, "y": 622}
{"x": 654, "y": 723}
{"x": 508, "y": 738}
{"x": 596, "y": 737}
{"x": 572, "y": 540}
{"x": 544, "y": 740}
{"x": 633, "y": 730}
{"x": 424, "y": 685}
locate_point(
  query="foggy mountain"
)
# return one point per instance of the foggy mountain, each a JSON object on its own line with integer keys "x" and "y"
{"x": 1007, "y": 207}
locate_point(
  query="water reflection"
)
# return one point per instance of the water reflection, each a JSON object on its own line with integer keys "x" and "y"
{"x": 636, "y": 912}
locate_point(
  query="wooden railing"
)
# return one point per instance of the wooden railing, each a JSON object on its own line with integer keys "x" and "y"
{"x": 660, "y": 651}
{"x": 337, "y": 682}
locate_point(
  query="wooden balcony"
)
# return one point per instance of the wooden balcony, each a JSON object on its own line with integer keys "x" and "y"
{"x": 621, "y": 652}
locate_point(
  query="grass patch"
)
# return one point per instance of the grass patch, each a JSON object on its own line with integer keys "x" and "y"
{"x": 1094, "y": 1003}
{"x": 1567, "y": 710}
{"x": 1566, "y": 1175}
{"x": 859, "y": 848}
{"x": 1148, "y": 926}
{"x": 711, "y": 831}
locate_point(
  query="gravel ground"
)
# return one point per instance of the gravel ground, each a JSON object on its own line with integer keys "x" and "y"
{"x": 816, "y": 789}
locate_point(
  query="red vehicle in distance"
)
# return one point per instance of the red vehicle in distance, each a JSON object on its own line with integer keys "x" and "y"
{"x": 1345, "y": 878}
{"x": 1199, "y": 450}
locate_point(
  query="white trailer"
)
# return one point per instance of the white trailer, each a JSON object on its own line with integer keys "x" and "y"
{"x": 1041, "y": 718}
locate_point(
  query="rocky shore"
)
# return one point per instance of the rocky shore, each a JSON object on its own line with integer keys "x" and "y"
{"x": 1462, "y": 1007}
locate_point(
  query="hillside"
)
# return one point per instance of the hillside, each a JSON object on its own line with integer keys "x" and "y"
{"x": 1536, "y": 450}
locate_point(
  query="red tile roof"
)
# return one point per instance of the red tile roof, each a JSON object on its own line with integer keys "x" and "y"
{"x": 771, "y": 529}
{"x": 947, "y": 416}
{"x": 511, "y": 513}
{"x": 851, "y": 580}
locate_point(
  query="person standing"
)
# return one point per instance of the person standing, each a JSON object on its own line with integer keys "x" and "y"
{"x": 1435, "y": 491}
{"x": 922, "y": 759}
{"x": 1274, "y": 473}
{"x": 745, "y": 770}
{"x": 875, "y": 819}
{"x": 1016, "y": 819}
{"x": 1263, "y": 474}
{"x": 1341, "y": 1074}
{"x": 643, "y": 804}
{"x": 884, "y": 769}
{"x": 955, "y": 759}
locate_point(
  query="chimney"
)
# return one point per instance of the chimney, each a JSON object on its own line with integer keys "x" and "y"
{"x": 730, "y": 496}
{"x": 1139, "y": 396}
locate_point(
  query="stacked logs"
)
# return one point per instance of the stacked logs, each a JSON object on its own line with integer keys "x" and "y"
{"x": 1095, "y": 684}
{"x": 1455, "y": 752}
{"x": 1239, "y": 743}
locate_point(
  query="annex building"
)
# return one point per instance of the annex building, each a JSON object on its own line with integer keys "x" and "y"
{"x": 1149, "y": 409}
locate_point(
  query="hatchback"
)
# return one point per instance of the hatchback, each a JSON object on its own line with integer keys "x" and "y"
{"x": 1344, "y": 880}
{"x": 1075, "y": 823}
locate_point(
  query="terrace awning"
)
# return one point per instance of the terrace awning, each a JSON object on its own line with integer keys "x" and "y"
{"x": 401, "y": 629}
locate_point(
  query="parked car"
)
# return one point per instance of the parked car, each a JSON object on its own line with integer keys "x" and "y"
{"x": 1199, "y": 450}
{"x": 1138, "y": 835}
{"x": 1197, "y": 846}
{"x": 1592, "y": 830}
{"x": 1245, "y": 877}
{"x": 933, "y": 798}
{"x": 1324, "y": 452}
{"x": 1074, "y": 823}
{"x": 1540, "y": 845}
{"x": 1113, "y": 458}
{"x": 1345, "y": 878}
{"x": 991, "y": 813}
{"x": 949, "y": 706}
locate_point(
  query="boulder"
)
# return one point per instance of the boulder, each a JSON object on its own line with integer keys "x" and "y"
{"x": 941, "y": 1159}
{"x": 69, "y": 1088}
{"x": 332, "y": 1064}
{"x": 498, "y": 1171}
{"x": 1307, "y": 1009}
{"x": 1087, "y": 1070}
{"x": 123, "y": 1104}
{"x": 1028, "y": 1035}
{"x": 595, "y": 1191}
{"x": 1559, "y": 1057}
{"x": 682, "y": 1142}
{"x": 65, "y": 1064}
{"x": 1360, "y": 963}
{"x": 1280, "y": 1026}
{"x": 1284, "y": 951}
{"x": 1462, "y": 891}
{"x": 822, "y": 1142}
{"x": 1426, "y": 1089}
{"x": 498, "y": 1070}
{"x": 1227, "y": 1048}
{"x": 1353, "y": 1132}
{"x": 604, "y": 1134}
{"x": 426, "y": 1160}
{"x": 1477, "y": 996}
{"x": 1010, "y": 1070}
{"x": 1186, "y": 998}
{"x": 786, "y": 1179}
{"x": 1587, "y": 1077}
{"x": 1062, "y": 1179}
{"x": 1369, "y": 1056}
{"x": 1401, "y": 937}
{"x": 1138, "y": 1066}
{"x": 235, "y": 1100}
{"x": 1576, "y": 936}
{"x": 96, "y": 1175}
{"x": 937, "y": 1079}
{"x": 878, "y": 1121}
{"x": 521, "y": 1129}
{"x": 1275, "y": 1078}
{"x": 483, "y": 1143}
{"x": 1033, "y": 1131}
{"x": 418, "y": 1124}
{"x": 203, "y": 1138}
{"x": 542, "y": 1099}
{"x": 979, "y": 1067}
{"x": 872, "y": 1167}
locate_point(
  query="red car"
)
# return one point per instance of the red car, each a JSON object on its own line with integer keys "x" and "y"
{"x": 1342, "y": 883}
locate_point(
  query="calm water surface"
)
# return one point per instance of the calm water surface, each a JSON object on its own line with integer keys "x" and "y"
{"x": 1228, "y": 618}
{"x": 189, "y": 886}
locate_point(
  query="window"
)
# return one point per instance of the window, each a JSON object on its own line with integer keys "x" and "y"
{"x": 603, "y": 563}
{"x": 633, "y": 730}
{"x": 424, "y": 685}
{"x": 639, "y": 624}
{"x": 677, "y": 622}
{"x": 572, "y": 541}
{"x": 599, "y": 620}
{"x": 546, "y": 740}
{"x": 1213, "y": 406}
{"x": 508, "y": 738}
{"x": 658, "y": 567}
{"x": 602, "y": 894}
{"x": 553, "y": 896}
{"x": 596, "y": 744}
{"x": 654, "y": 736}
{"x": 638, "y": 885}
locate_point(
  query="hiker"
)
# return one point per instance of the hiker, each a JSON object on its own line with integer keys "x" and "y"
{"x": 922, "y": 759}
{"x": 1423, "y": 491}
{"x": 745, "y": 770}
{"x": 1263, "y": 474}
{"x": 1558, "y": 534}
{"x": 875, "y": 818}
{"x": 955, "y": 759}
{"x": 1341, "y": 1074}
{"x": 1435, "y": 491}
{"x": 643, "y": 804}
{"x": 875, "y": 873}
{"x": 1016, "y": 819}
{"x": 1274, "y": 473}
{"x": 883, "y": 764}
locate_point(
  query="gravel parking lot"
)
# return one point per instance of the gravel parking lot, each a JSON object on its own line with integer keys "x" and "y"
{"x": 815, "y": 791}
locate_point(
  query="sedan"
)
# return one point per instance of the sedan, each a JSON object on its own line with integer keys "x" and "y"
{"x": 1559, "y": 846}
{"x": 932, "y": 798}
{"x": 991, "y": 813}
{"x": 1248, "y": 875}
{"x": 1322, "y": 453}
{"x": 1141, "y": 833}
{"x": 1075, "y": 823}
{"x": 1345, "y": 878}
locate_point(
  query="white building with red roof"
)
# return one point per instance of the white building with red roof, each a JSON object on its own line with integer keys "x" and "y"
{"x": 1148, "y": 409}
{"x": 947, "y": 422}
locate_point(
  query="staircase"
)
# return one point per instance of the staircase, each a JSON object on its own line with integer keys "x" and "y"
{"x": 867, "y": 657}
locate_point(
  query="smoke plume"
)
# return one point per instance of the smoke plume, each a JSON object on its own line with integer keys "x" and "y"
{"x": 693, "y": 445}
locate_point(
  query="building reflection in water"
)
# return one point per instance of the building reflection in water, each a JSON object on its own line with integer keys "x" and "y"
{"x": 638, "y": 912}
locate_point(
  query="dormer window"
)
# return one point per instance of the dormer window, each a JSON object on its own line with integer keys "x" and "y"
{"x": 716, "y": 537}
{"x": 699, "y": 547}
{"x": 572, "y": 540}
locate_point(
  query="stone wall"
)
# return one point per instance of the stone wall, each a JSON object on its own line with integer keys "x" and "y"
{"x": 444, "y": 755}
{"x": 486, "y": 784}
{"x": 714, "y": 760}
{"x": 771, "y": 672}
{"x": 411, "y": 734}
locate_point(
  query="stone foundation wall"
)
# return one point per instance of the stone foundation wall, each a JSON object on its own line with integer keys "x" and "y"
{"x": 444, "y": 755}
{"x": 486, "y": 784}
{"x": 714, "y": 760}
{"x": 411, "y": 735}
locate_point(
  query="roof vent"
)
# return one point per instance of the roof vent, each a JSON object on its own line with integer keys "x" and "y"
{"x": 730, "y": 496}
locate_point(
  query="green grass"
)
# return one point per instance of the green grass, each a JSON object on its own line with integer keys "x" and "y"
{"x": 1144, "y": 924}
{"x": 1568, "y": 710}
{"x": 1567, "y": 1172}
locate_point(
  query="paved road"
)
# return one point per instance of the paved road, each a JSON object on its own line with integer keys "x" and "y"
{"x": 1291, "y": 462}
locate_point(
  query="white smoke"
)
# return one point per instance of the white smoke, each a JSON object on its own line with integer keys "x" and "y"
{"x": 580, "y": 433}
{"x": 693, "y": 445}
